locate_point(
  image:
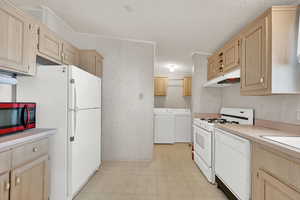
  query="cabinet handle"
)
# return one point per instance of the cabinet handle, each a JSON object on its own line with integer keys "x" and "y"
{"x": 261, "y": 79}
{"x": 257, "y": 174}
{"x": 18, "y": 180}
{"x": 7, "y": 186}
{"x": 35, "y": 149}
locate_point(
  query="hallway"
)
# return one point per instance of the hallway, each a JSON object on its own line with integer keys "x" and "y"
{"x": 172, "y": 175}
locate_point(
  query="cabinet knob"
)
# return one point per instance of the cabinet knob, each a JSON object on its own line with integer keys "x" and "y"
{"x": 262, "y": 79}
{"x": 7, "y": 186}
{"x": 35, "y": 149}
{"x": 18, "y": 180}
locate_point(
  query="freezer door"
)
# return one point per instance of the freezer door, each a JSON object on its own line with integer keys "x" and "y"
{"x": 84, "y": 153}
{"x": 84, "y": 90}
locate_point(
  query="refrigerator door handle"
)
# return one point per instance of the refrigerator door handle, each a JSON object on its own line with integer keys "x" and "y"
{"x": 75, "y": 110}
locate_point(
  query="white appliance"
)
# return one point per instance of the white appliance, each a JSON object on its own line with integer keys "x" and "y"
{"x": 233, "y": 165}
{"x": 224, "y": 80}
{"x": 204, "y": 137}
{"x": 172, "y": 125}
{"x": 68, "y": 99}
{"x": 164, "y": 126}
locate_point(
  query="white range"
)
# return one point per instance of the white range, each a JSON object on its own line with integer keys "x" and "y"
{"x": 214, "y": 149}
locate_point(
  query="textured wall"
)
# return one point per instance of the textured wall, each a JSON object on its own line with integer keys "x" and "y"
{"x": 127, "y": 98}
{"x": 277, "y": 108}
{"x": 5, "y": 93}
{"x": 204, "y": 100}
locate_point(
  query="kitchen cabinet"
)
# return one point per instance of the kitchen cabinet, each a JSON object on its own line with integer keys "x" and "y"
{"x": 254, "y": 64}
{"x": 187, "y": 86}
{"x": 24, "y": 172}
{"x": 30, "y": 181}
{"x": 160, "y": 86}
{"x": 91, "y": 61}
{"x": 231, "y": 56}
{"x": 50, "y": 45}
{"x": 275, "y": 176}
{"x": 70, "y": 54}
{"x": 17, "y": 40}
{"x": 213, "y": 70}
{"x": 269, "y": 63}
{"x": 4, "y": 186}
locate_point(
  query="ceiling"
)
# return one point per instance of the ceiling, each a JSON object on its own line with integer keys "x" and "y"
{"x": 179, "y": 27}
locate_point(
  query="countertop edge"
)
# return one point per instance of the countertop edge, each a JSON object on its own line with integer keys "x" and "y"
{"x": 28, "y": 137}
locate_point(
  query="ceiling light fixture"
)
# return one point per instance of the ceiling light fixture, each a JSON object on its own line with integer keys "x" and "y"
{"x": 172, "y": 68}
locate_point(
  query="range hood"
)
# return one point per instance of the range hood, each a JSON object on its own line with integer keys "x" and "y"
{"x": 6, "y": 79}
{"x": 225, "y": 80}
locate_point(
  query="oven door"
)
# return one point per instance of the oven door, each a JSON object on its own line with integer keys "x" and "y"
{"x": 203, "y": 145}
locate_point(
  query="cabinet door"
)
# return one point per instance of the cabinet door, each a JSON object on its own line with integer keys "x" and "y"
{"x": 160, "y": 86}
{"x": 30, "y": 181}
{"x": 13, "y": 27}
{"x": 99, "y": 66}
{"x": 231, "y": 55}
{"x": 271, "y": 188}
{"x": 31, "y": 47}
{"x": 4, "y": 186}
{"x": 187, "y": 86}
{"x": 70, "y": 54}
{"x": 254, "y": 57}
{"x": 49, "y": 45}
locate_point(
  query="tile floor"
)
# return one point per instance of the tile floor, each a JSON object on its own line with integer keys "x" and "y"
{"x": 172, "y": 175}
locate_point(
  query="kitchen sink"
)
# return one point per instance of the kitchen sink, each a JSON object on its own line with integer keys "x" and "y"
{"x": 293, "y": 141}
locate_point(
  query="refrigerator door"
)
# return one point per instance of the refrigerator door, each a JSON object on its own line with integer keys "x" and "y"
{"x": 85, "y": 89}
{"x": 84, "y": 151}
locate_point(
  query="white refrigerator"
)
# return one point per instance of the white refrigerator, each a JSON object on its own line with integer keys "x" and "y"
{"x": 68, "y": 99}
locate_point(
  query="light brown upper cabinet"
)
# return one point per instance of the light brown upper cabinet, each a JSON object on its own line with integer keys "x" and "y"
{"x": 224, "y": 60}
{"x": 70, "y": 54}
{"x": 91, "y": 61}
{"x": 160, "y": 86}
{"x": 269, "y": 45}
{"x": 187, "y": 86}
{"x": 214, "y": 66}
{"x": 231, "y": 56}
{"x": 50, "y": 46}
{"x": 18, "y": 39}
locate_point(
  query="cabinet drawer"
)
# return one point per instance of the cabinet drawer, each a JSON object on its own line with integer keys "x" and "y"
{"x": 5, "y": 161}
{"x": 29, "y": 152}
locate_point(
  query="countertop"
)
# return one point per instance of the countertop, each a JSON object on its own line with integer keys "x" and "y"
{"x": 254, "y": 133}
{"x": 9, "y": 141}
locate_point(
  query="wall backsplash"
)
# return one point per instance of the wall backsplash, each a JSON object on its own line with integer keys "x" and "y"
{"x": 281, "y": 108}
{"x": 5, "y": 93}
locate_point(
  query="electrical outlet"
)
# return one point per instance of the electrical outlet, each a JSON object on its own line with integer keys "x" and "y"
{"x": 298, "y": 115}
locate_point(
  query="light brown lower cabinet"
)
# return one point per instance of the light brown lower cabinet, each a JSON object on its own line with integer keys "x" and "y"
{"x": 4, "y": 186}
{"x": 29, "y": 179}
{"x": 275, "y": 176}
